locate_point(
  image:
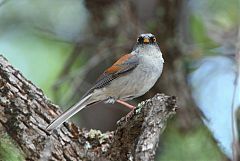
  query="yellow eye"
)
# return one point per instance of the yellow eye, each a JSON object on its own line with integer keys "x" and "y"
{"x": 154, "y": 39}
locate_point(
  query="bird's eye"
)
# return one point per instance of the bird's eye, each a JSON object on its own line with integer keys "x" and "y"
{"x": 154, "y": 39}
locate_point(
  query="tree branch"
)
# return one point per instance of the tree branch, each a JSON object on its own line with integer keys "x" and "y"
{"x": 25, "y": 112}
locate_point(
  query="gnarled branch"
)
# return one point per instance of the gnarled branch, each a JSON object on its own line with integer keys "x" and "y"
{"x": 25, "y": 112}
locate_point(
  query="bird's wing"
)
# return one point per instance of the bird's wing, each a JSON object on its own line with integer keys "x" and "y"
{"x": 125, "y": 64}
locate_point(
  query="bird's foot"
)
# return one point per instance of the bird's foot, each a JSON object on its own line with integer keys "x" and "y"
{"x": 131, "y": 107}
{"x": 129, "y": 115}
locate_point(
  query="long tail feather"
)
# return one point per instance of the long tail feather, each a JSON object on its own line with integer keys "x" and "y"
{"x": 69, "y": 113}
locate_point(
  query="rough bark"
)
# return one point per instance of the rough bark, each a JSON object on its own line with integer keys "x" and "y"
{"x": 25, "y": 112}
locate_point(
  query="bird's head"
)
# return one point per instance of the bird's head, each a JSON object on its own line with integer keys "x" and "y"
{"x": 147, "y": 44}
{"x": 146, "y": 39}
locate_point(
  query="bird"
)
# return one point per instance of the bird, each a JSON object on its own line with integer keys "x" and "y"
{"x": 131, "y": 76}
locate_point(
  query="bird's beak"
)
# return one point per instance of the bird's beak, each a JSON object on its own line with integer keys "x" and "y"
{"x": 146, "y": 40}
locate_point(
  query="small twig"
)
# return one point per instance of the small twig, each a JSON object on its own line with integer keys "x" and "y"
{"x": 235, "y": 143}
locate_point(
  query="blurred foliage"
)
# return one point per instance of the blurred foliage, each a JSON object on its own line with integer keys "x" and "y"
{"x": 39, "y": 58}
{"x": 38, "y": 36}
{"x": 200, "y": 34}
{"x": 214, "y": 30}
{"x": 183, "y": 146}
{"x": 8, "y": 150}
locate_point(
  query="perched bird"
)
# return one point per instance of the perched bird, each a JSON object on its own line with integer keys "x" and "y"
{"x": 131, "y": 76}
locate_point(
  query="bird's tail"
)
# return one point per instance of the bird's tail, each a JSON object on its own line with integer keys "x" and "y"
{"x": 69, "y": 113}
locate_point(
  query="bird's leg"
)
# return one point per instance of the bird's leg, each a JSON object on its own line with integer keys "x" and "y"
{"x": 126, "y": 104}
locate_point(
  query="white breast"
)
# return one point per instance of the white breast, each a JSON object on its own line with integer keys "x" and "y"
{"x": 150, "y": 70}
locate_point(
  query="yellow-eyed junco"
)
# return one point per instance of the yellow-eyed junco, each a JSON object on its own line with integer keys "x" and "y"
{"x": 130, "y": 77}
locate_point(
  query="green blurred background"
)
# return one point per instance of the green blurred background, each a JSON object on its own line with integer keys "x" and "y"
{"x": 63, "y": 46}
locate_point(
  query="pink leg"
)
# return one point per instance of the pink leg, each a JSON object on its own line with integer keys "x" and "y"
{"x": 126, "y": 104}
